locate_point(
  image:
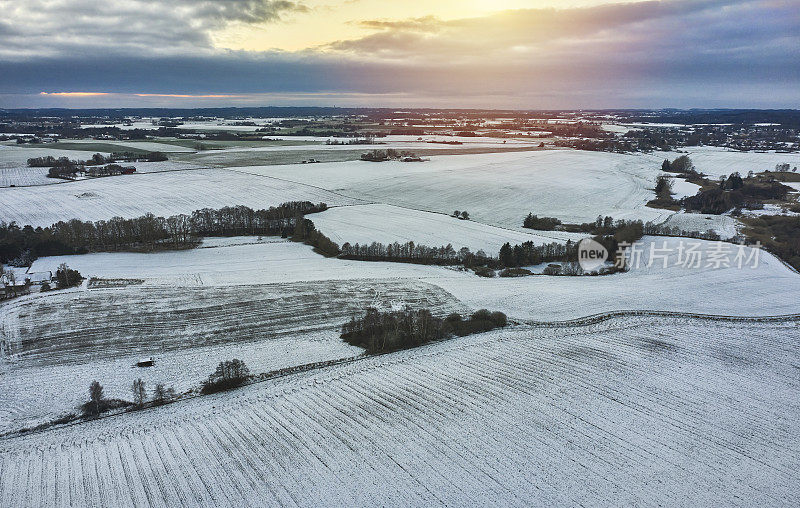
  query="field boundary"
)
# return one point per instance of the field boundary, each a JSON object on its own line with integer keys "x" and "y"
{"x": 605, "y": 316}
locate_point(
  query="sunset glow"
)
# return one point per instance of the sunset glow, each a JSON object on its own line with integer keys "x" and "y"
{"x": 507, "y": 53}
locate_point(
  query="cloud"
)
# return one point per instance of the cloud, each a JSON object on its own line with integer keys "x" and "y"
{"x": 682, "y": 53}
{"x": 422, "y": 24}
{"x": 41, "y": 28}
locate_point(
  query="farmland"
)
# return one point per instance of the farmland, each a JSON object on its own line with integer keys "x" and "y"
{"x": 671, "y": 383}
{"x": 498, "y": 189}
{"x": 164, "y": 194}
{"x": 387, "y": 224}
{"x": 101, "y": 333}
{"x": 609, "y": 414}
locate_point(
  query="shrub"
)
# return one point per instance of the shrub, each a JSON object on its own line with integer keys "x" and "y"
{"x": 483, "y": 271}
{"x": 515, "y": 272}
{"x": 498, "y": 318}
{"x": 455, "y": 317}
{"x": 379, "y": 332}
{"x": 540, "y": 223}
{"x": 482, "y": 314}
{"x": 67, "y": 277}
{"x": 552, "y": 270}
{"x": 229, "y": 374}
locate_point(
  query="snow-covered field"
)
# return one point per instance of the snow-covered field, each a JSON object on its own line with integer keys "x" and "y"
{"x": 150, "y": 146}
{"x": 632, "y": 410}
{"x": 772, "y": 288}
{"x": 163, "y": 194}
{"x": 72, "y": 338}
{"x": 716, "y": 161}
{"x": 681, "y": 188}
{"x": 387, "y": 224}
{"x": 14, "y": 168}
{"x": 629, "y": 412}
{"x": 769, "y": 289}
{"x": 237, "y": 262}
{"x": 498, "y": 189}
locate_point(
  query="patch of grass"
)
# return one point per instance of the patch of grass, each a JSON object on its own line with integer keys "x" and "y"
{"x": 211, "y": 144}
{"x": 778, "y": 234}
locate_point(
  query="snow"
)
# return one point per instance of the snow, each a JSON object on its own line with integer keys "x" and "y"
{"x": 770, "y": 209}
{"x": 632, "y": 410}
{"x": 724, "y": 225}
{"x": 387, "y": 224}
{"x": 681, "y": 188}
{"x": 240, "y": 263}
{"x": 771, "y": 288}
{"x": 14, "y": 168}
{"x": 500, "y": 188}
{"x": 716, "y": 161}
{"x": 72, "y": 338}
{"x": 163, "y": 194}
{"x": 627, "y": 412}
{"x": 150, "y": 146}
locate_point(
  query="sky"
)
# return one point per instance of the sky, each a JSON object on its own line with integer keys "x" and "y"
{"x": 515, "y": 54}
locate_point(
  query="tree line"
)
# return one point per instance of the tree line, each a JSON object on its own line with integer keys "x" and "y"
{"x": 380, "y": 332}
{"x": 22, "y": 245}
{"x": 64, "y": 167}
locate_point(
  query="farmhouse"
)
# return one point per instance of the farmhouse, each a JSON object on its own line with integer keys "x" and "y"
{"x": 39, "y": 278}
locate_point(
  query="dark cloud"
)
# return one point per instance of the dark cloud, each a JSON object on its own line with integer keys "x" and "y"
{"x": 134, "y": 27}
{"x": 681, "y": 53}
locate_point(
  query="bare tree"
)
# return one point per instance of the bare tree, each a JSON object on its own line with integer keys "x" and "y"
{"x": 139, "y": 392}
{"x": 95, "y": 396}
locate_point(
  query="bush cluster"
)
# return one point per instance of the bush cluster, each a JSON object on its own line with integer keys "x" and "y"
{"x": 379, "y": 332}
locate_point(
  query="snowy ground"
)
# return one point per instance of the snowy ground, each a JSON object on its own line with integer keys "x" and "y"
{"x": 772, "y": 288}
{"x": 498, "y": 189}
{"x": 716, "y": 161}
{"x": 724, "y": 225}
{"x": 681, "y": 188}
{"x": 14, "y": 168}
{"x": 769, "y": 289}
{"x": 163, "y": 194}
{"x": 387, "y": 224}
{"x": 61, "y": 339}
{"x": 630, "y": 412}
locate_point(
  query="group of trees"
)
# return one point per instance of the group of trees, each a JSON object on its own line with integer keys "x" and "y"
{"x": 98, "y": 403}
{"x": 148, "y": 231}
{"x": 527, "y": 253}
{"x": 682, "y": 165}
{"x": 540, "y": 223}
{"x": 379, "y": 332}
{"x": 663, "y": 187}
{"x": 411, "y": 252}
{"x": 304, "y": 231}
{"x": 229, "y": 374}
{"x": 386, "y": 155}
{"x": 622, "y": 230}
{"x": 463, "y": 215}
{"x": 63, "y": 167}
{"x": 778, "y": 234}
{"x": 734, "y": 192}
{"x": 66, "y": 277}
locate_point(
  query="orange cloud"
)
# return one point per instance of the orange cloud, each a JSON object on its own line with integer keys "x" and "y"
{"x": 74, "y": 94}
{"x": 187, "y": 96}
